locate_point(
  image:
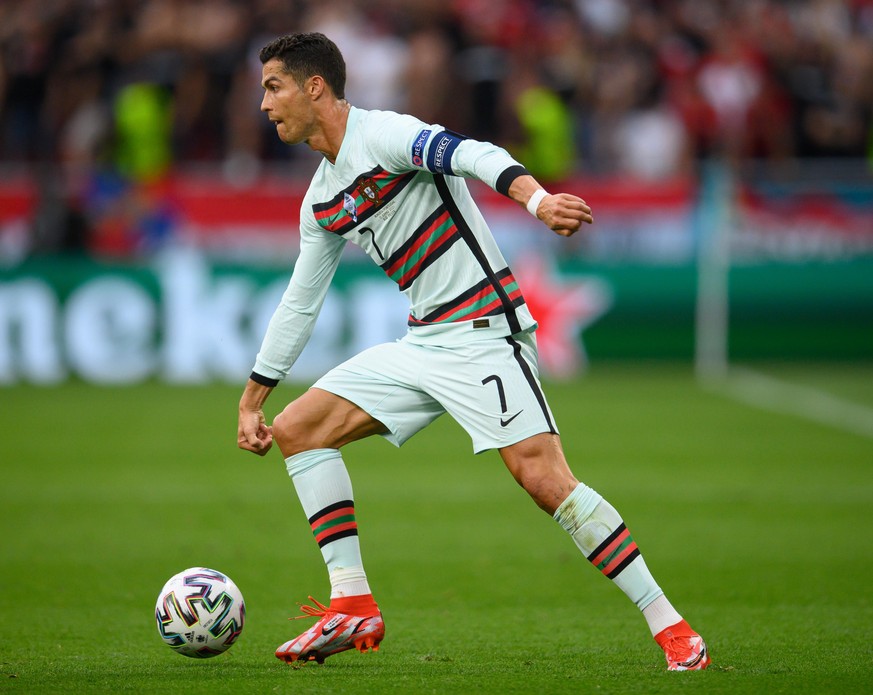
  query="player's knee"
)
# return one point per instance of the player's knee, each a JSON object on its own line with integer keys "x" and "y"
{"x": 542, "y": 487}
{"x": 293, "y": 433}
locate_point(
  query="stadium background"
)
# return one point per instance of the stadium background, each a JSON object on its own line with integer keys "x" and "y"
{"x": 135, "y": 164}
{"x": 708, "y": 342}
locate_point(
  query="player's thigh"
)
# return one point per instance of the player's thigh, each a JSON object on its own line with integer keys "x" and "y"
{"x": 321, "y": 420}
{"x": 384, "y": 382}
{"x": 492, "y": 389}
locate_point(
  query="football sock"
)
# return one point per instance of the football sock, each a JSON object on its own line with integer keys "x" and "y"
{"x": 660, "y": 615}
{"x": 325, "y": 491}
{"x": 599, "y": 532}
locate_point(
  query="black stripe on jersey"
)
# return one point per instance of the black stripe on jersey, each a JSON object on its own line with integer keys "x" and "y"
{"x": 473, "y": 244}
{"x": 423, "y": 228}
{"x": 464, "y": 296}
{"x": 532, "y": 382}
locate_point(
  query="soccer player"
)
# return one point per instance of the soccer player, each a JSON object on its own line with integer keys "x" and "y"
{"x": 395, "y": 186}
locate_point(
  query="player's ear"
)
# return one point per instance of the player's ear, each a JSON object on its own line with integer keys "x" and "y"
{"x": 315, "y": 87}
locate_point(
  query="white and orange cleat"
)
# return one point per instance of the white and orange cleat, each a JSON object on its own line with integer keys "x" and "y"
{"x": 683, "y": 648}
{"x": 337, "y": 630}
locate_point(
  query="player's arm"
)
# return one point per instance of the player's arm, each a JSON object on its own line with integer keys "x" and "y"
{"x": 288, "y": 332}
{"x": 563, "y": 213}
{"x": 253, "y": 434}
{"x": 411, "y": 144}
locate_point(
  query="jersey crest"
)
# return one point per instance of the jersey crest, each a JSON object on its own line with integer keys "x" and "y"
{"x": 369, "y": 189}
{"x": 359, "y": 201}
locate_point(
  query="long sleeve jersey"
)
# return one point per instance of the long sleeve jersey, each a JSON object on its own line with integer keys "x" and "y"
{"x": 397, "y": 190}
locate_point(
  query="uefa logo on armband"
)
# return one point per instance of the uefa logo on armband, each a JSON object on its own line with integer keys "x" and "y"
{"x": 418, "y": 147}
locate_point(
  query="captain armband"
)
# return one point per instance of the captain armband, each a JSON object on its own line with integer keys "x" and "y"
{"x": 439, "y": 147}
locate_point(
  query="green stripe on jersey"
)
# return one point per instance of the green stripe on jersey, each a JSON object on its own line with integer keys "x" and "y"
{"x": 423, "y": 250}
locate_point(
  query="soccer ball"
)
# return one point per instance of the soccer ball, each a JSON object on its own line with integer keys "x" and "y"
{"x": 200, "y": 613}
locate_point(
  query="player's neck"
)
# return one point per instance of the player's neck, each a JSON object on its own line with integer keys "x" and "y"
{"x": 329, "y": 137}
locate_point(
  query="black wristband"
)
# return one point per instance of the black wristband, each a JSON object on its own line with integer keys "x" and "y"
{"x": 262, "y": 380}
{"x": 504, "y": 181}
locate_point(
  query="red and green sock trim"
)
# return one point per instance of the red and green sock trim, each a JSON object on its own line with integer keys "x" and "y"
{"x": 334, "y": 522}
{"x": 615, "y": 553}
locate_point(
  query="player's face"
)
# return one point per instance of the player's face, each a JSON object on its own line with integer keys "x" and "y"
{"x": 286, "y": 104}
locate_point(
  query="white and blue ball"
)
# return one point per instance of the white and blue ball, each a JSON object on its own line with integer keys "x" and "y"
{"x": 200, "y": 613}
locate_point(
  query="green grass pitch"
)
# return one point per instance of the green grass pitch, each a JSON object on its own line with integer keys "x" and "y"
{"x": 759, "y": 527}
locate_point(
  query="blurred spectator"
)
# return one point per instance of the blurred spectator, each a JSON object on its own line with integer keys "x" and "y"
{"x": 143, "y": 150}
{"x": 375, "y": 56}
{"x": 548, "y": 150}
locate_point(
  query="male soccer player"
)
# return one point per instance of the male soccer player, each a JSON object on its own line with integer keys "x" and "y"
{"x": 395, "y": 186}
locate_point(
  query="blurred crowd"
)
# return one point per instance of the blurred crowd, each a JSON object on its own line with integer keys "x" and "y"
{"x": 645, "y": 87}
{"x": 123, "y": 92}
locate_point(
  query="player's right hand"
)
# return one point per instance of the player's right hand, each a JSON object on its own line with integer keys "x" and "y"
{"x": 253, "y": 434}
{"x": 564, "y": 213}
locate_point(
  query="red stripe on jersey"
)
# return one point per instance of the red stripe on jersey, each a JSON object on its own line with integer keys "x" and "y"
{"x": 423, "y": 236}
{"x": 447, "y": 234}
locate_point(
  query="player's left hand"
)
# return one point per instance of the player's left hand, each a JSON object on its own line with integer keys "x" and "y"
{"x": 564, "y": 213}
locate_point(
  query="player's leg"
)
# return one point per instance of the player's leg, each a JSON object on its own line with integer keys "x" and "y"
{"x": 366, "y": 395}
{"x": 492, "y": 389}
{"x": 309, "y": 432}
{"x": 539, "y": 466}
{"x": 319, "y": 419}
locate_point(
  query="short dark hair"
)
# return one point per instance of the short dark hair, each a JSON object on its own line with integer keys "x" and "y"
{"x": 306, "y": 54}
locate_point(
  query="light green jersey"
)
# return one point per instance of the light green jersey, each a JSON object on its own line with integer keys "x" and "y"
{"x": 397, "y": 190}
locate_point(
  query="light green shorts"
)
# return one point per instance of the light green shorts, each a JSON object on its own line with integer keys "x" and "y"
{"x": 491, "y": 387}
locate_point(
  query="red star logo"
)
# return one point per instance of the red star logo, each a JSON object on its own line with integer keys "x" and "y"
{"x": 563, "y": 309}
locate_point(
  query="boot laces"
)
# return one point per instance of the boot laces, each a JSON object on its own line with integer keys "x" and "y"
{"x": 317, "y": 611}
{"x": 682, "y": 648}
